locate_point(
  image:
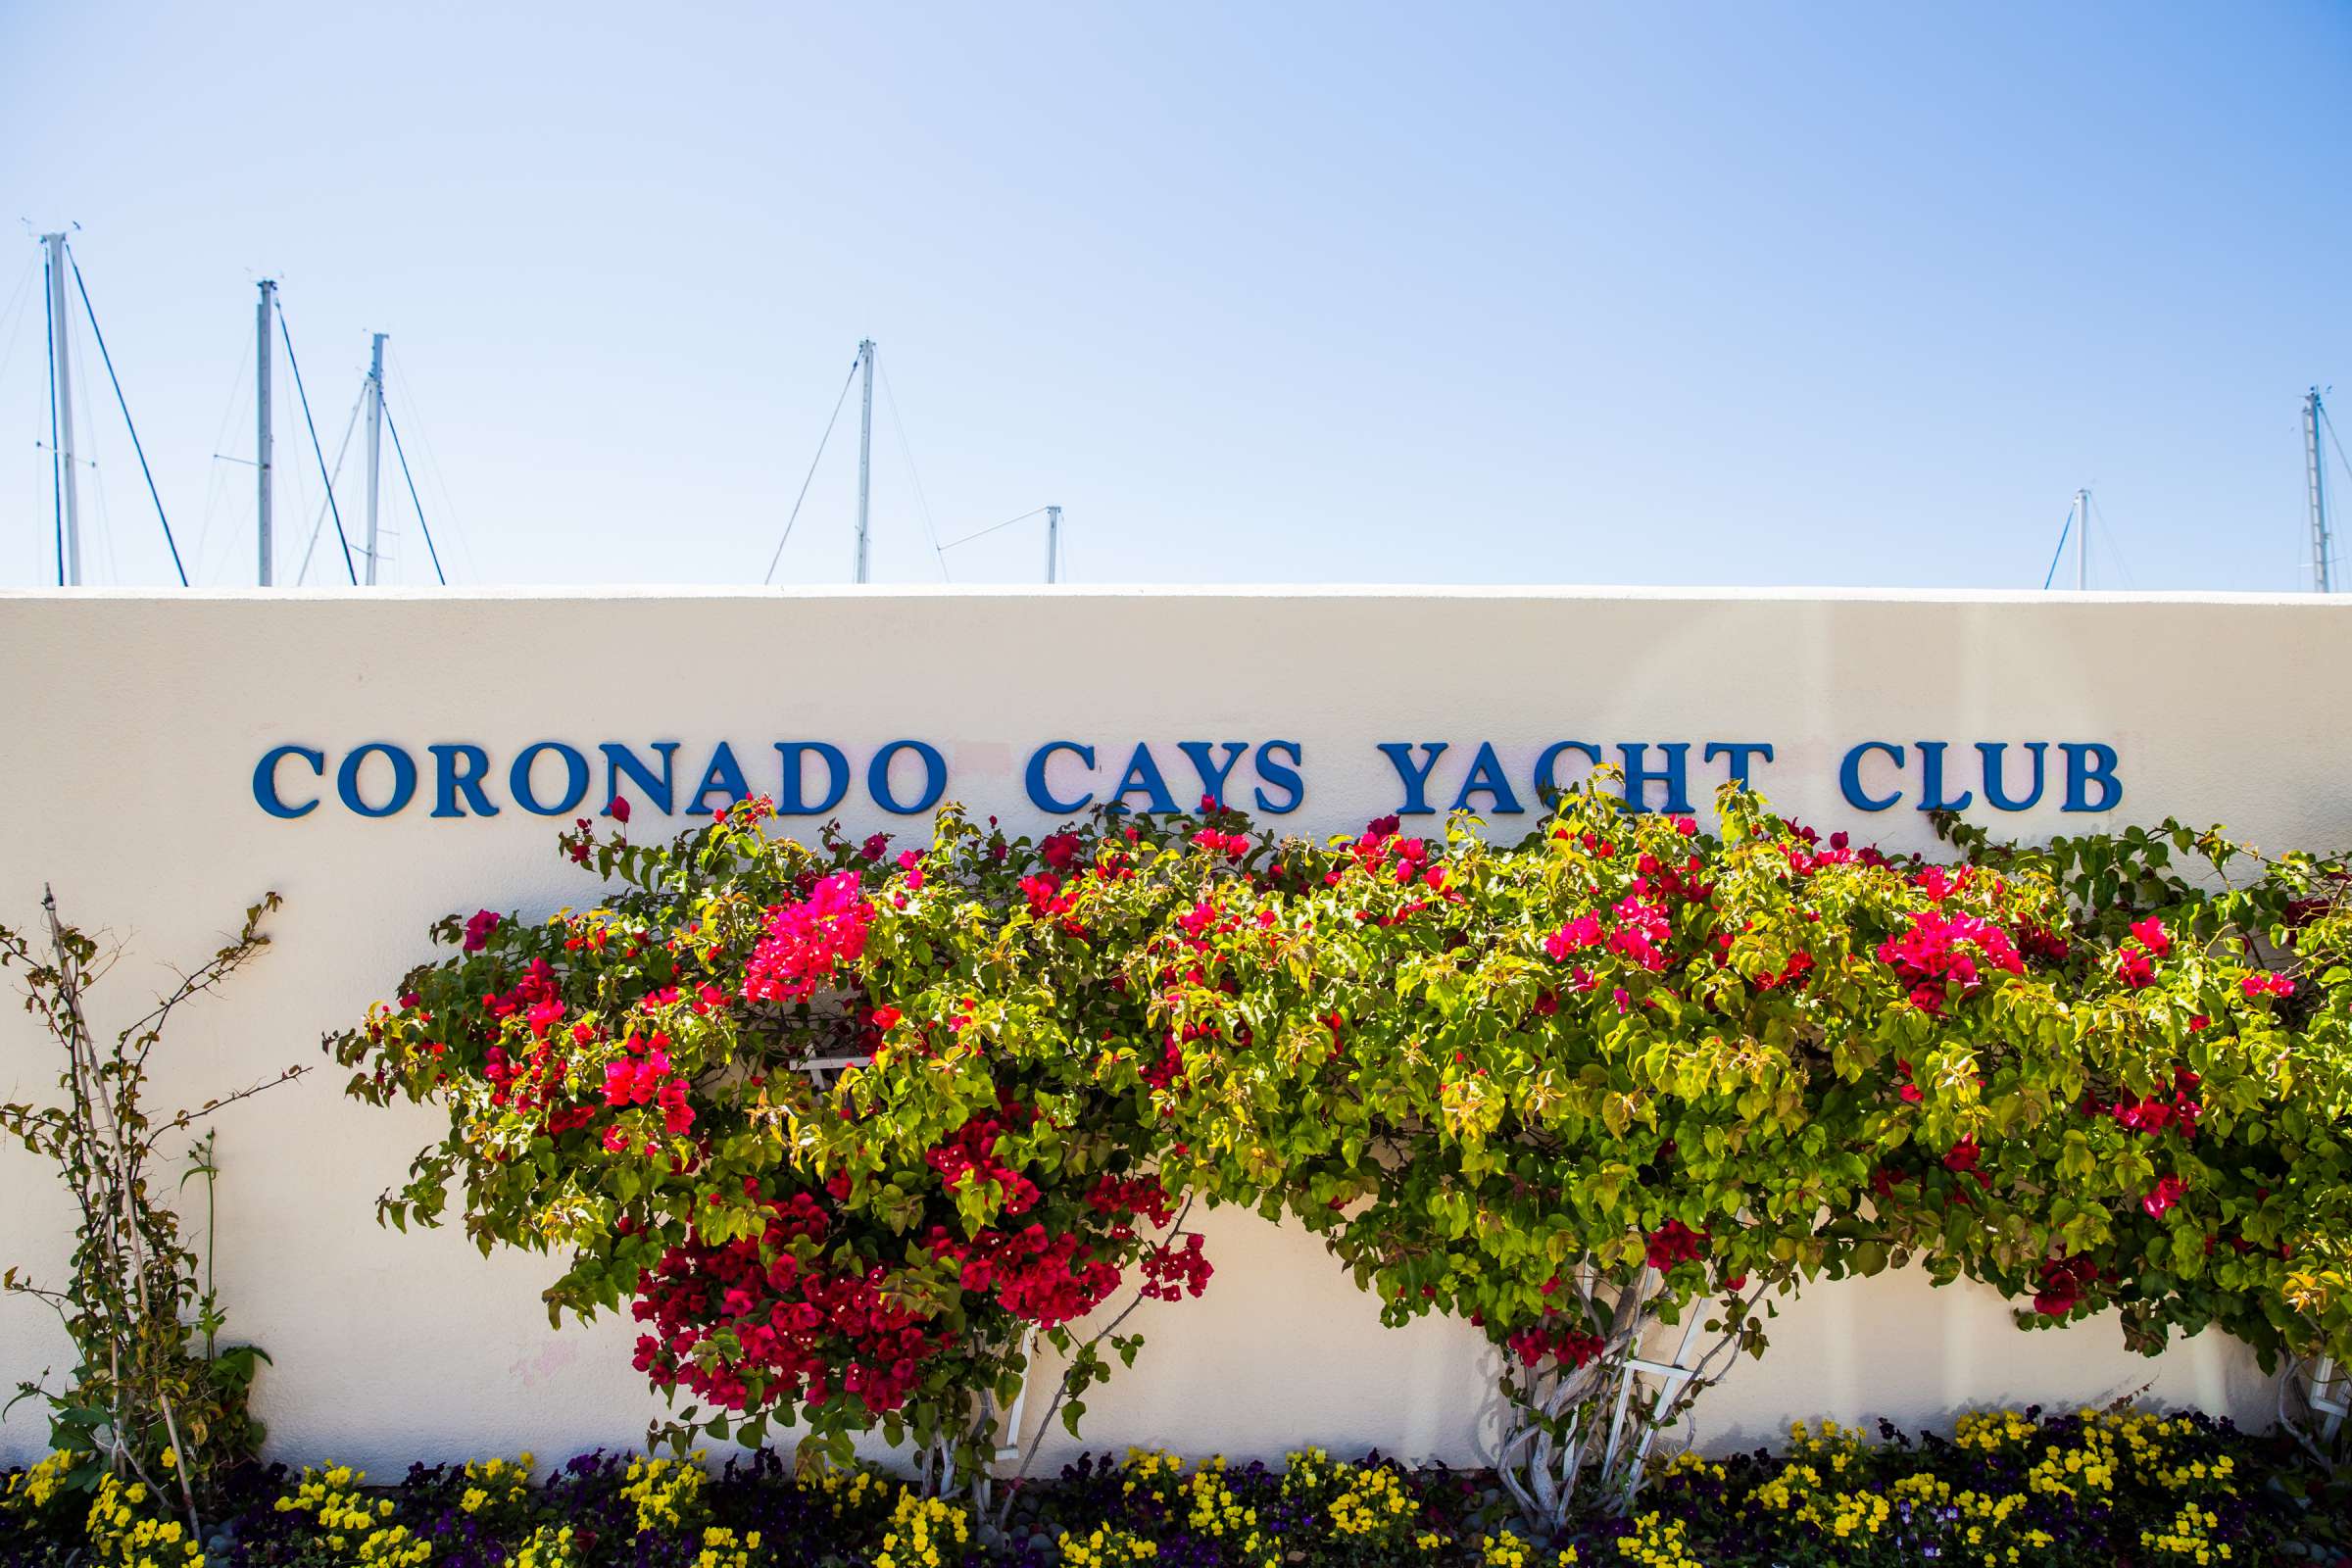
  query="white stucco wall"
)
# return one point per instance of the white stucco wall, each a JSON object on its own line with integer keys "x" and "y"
{"x": 133, "y": 725}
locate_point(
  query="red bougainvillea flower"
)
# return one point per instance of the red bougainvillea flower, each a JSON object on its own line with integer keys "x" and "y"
{"x": 2163, "y": 1196}
{"x": 2151, "y": 935}
{"x": 1673, "y": 1243}
{"x": 1171, "y": 1273}
{"x": 2133, "y": 968}
{"x": 2043, "y": 943}
{"x": 478, "y": 929}
{"x": 2063, "y": 1280}
{"x": 971, "y": 1156}
{"x": 2154, "y": 1113}
{"x": 1045, "y": 1279}
{"x": 1572, "y": 1346}
{"x": 619, "y": 810}
{"x": 2266, "y": 983}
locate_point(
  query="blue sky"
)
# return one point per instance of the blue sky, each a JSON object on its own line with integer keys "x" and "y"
{"x": 1723, "y": 294}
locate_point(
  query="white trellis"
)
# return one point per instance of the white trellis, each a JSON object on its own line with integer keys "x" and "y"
{"x": 1673, "y": 1377}
{"x": 1557, "y": 1441}
{"x": 2327, "y": 1393}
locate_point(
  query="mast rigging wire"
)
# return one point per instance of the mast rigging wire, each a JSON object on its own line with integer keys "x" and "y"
{"x": 342, "y": 450}
{"x": 212, "y": 485}
{"x": 101, "y": 536}
{"x": 123, "y": 404}
{"x": 433, "y": 471}
{"x": 2114, "y": 546}
{"x": 2059, "y": 553}
{"x": 778, "y": 557}
{"x": 409, "y": 479}
{"x": 295, "y": 366}
{"x": 15, "y": 315}
{"x": 2329, "y": 419}
{"x": 907, "y": 451}
{"x": 1033, "y": 512}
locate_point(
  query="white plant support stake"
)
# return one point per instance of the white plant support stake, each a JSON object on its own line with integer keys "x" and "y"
{"x": 1010, "y": 1448}
{"x": 2327, "y": 1389}
{"x": 1671, "y": 1376}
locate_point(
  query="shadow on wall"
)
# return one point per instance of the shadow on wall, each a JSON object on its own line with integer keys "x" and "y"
{"x": 1284, "y": 1350}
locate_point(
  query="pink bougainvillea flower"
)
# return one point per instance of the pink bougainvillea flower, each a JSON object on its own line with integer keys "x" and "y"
{"x": 1575, "y": 937}
{"x": 806, "y": 941}
{"x": 478, "y": 929}
{"x": 1942, "y": 950}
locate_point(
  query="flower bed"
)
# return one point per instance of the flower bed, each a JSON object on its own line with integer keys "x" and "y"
{"x": 2099, "y": 1487}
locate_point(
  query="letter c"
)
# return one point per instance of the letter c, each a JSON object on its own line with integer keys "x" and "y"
{"x": 265, "y": 779}
{"x": 1547, "y": 785}
{"x": 1849, "y": 776}
{"x": 1035, "y": 778}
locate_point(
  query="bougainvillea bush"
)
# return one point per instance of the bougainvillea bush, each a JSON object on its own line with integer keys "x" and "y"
{"x": 647, "y": 1089}
{"x": 1608, "y": 1094}
{"x": 2084, "y": 1489}
{"x": 1609, "y": 1091}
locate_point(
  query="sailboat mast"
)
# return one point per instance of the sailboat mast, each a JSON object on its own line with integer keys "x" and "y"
{"x": 2315, "y": 475}
{"x": 375, "y": 441}
{"x": 2082, "y": 540}
{"x": 261, "y": 311}
{"x": 865, "y": 453}
{"x": 62, "y": 390}
{"x": 1053, "y": 543}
